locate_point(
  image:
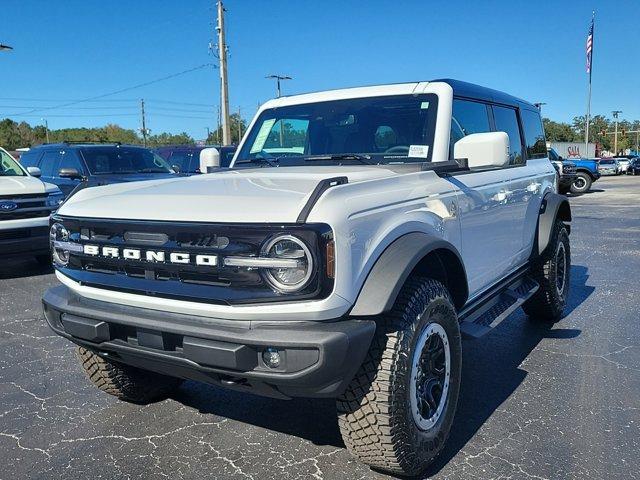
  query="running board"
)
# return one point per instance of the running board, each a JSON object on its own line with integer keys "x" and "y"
{"x": 484, "y": 316}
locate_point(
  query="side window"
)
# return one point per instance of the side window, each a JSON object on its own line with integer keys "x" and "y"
{"x": 467, "y": 117}
{"x": 287, "y": 135}
{"x": 70, "y": 160}
{"x": 507, "y": 121}
{"x": 49, "y": 162}
{"x": 534, "y": 139}
{"x": 30, "y": 158}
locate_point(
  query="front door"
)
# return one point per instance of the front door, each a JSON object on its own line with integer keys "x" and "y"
{"x": 491, "y": 222}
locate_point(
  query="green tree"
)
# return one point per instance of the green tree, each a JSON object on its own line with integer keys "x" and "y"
{"x": 169, "y": 139}
{"x": 559, "y": 132}
{"x": 597, "y": 125}
{"x": 236, "y": 123}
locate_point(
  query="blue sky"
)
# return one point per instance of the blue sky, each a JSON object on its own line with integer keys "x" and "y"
{"x": 83, "y": 48}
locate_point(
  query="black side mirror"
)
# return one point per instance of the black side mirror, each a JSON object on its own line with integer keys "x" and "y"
{"x": 71, "y": 173}
{"x": 560, "y": 157}
{"x": 176, "y": 168}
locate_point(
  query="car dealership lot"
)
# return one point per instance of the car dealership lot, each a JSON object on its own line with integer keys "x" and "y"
{"x": 537, "y": 402}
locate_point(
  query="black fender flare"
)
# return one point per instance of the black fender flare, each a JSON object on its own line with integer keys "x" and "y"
{"x": 588, "y": 172}
{"x": 554, "y": 206}
{"x": 398, "y": 261}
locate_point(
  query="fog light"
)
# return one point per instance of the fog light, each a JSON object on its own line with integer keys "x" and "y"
{"x": 271, "y": 357}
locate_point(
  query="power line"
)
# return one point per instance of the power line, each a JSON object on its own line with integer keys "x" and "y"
{"x": 122, "y": 90}
{"x": 80, "y": 115}
{"x": 175, "y": 102}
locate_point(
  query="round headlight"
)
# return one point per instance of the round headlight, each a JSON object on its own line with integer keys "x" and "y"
{"x": 59, "y": 234}
{"x": 290, "y": 278}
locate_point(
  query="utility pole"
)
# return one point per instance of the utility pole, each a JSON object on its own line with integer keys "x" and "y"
{"x": 224, "y": 83}
{"x": 615, "y": 135}
{"x": 46, "y": 128}
{"x": 208, "y": 134}
{"x": 218, "y": 129}
{"x": 277, "y": 79}
{"x": 143, "y": 130}
{"x": 539, "y": 105}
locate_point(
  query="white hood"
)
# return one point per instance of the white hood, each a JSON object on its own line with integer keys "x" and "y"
{"x": 238, "y": 196}
{"x": 26, "y": 185}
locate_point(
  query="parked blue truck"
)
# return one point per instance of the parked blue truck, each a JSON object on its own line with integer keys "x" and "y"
{"x": 586, "y": 171}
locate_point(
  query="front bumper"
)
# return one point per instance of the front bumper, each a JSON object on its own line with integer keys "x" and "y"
{"x": 318, "y": 359}
{"x": 24, "y": 241}
{"x": 566, "y": 179}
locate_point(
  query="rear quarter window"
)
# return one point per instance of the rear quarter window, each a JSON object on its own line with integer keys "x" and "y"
{"x": 534, "y": 138}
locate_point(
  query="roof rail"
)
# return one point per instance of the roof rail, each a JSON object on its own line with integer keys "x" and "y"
{"x": 97, "y": 142}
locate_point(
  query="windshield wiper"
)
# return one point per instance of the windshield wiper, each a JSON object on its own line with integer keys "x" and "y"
{"x": 152, "y": 170}
{"x": 262, "y": 161}
{"x": 341, "y": 156}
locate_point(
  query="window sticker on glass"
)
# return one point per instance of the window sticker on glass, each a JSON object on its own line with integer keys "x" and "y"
{"x": 419, "y": 151}
{"x": 424, "y": 105}
{"x": 261, "y": 138}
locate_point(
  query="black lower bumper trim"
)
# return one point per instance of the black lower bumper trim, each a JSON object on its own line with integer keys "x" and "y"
{"x": 24, "y": 241}
{"x": 316, "y": 359}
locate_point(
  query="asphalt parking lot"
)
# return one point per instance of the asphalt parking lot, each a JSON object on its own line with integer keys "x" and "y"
{"x": 537, "y": 402}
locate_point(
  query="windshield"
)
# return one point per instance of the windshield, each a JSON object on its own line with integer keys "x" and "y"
{"x": 123, "y": 160}
{"x": 607, "y": 162}
{"x": 9, "y": 167}
{"x": 392, "y": 129}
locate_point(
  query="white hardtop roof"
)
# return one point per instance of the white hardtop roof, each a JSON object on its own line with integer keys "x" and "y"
{"x": 355, "y": 92}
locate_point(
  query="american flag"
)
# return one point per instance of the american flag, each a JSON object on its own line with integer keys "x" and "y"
{"x": 589, "y": 47}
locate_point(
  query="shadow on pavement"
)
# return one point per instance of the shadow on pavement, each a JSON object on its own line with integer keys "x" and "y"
{"x": 311, "y": 419}
{"x": 20, "y": 267}
{"x": 490, "y": 368}
{"x": 490, "y": 374}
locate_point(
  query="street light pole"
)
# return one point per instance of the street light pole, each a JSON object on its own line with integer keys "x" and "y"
{"x": 539, "y": 105}
{"x": 615, "y": 135}
{"x": 5, "y": 47}
{"x": 277, "y": 79}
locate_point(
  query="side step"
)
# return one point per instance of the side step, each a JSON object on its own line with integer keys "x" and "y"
{"x": 485, "y": 315}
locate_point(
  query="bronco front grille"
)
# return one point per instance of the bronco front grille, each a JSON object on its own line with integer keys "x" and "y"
{"x": 211, "y": 283}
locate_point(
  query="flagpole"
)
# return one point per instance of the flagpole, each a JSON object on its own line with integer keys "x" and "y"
{"x": 586, "y": 133}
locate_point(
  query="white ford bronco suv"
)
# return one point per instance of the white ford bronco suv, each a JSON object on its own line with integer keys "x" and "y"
{"x": 358, "y": 234}
{"x": 25, "y": 206}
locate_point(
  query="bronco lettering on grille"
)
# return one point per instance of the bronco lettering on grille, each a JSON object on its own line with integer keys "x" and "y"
{"x": 153, "y": 256}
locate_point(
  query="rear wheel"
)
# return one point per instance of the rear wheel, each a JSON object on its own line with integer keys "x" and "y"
{"x": 582, "y": 183}
{"x": 127, "y": 383}
{"x": 552, "y": 271}
{"x": 397, "y": 412}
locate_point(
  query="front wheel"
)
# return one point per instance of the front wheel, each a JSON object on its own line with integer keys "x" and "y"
{"x": 397, "y": 412}
{"x": 581, "y": 184}
{"x": 125, "y": 382}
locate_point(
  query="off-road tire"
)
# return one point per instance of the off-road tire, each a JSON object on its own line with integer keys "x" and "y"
{"x": 127, "y": 383}
{"x": 374, "y": 414}
{"x": 582, "y": 183}
{"x": 548, "y": 303}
